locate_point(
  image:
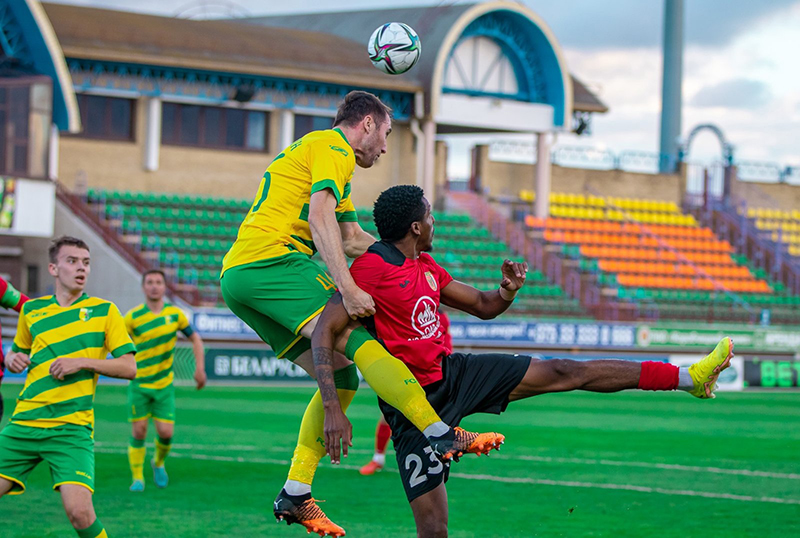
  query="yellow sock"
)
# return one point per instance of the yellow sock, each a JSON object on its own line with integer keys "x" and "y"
{"x": 162, "y": 449}
{"x": 136, "y": 455}
{"x": 390, "y": 379}
{"x": 311, "y": 441}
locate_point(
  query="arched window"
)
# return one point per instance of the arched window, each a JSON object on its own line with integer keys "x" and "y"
{"x": 479, "y": 66}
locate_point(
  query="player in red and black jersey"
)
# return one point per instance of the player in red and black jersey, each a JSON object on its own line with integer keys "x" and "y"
{"x": 383, "y": 432}
{"x": 407, "y": 286}
{"x": 13, "y": 299}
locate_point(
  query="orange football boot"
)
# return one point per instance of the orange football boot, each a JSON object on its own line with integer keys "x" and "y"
{"x": 307, "y": 514}
{"x": 458, "y": 442}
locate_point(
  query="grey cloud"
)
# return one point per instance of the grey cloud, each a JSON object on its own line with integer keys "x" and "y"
{"x": 581, "y": 24}
{"x": 737, "y": 93}
{"x": 626, "y": 24}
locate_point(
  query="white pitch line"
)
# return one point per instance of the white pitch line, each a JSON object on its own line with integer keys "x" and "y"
{"x": 504, "y": 479}
{"x": 542, "y": 459}
{"x": 627, "y": 487}
{"x": 668, "y": 466}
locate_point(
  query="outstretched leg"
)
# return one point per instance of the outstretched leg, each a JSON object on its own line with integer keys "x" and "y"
{"x": 560, "y": 375}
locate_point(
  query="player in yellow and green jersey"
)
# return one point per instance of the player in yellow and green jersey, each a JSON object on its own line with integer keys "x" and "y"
{"x": 154, "y": 328}
{"x": 64, "y": 341}
{"x": 270, "y": 282}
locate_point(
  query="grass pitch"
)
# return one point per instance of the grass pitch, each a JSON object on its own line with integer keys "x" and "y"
{"x": 579, "y": 464}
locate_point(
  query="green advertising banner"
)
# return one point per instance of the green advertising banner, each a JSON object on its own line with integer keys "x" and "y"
{"x": 761, "y": 339}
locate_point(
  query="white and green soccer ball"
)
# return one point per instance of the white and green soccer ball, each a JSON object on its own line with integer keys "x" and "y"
{"x": 394, "y": 48}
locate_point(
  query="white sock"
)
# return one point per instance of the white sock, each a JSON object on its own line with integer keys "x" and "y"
{"x": 685, "y": 379}
{"x": 437, "y": 429}
{"x": 380, "y": 459}
{"x": 293, "y": 487}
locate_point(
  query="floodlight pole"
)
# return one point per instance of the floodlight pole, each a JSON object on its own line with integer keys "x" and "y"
{"x": 671, "y": 86}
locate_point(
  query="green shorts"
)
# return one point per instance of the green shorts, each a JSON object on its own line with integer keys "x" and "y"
{"x": 276, "y": 298}
{"x": 146, "y": 403}
{"x": 68, "y": 450}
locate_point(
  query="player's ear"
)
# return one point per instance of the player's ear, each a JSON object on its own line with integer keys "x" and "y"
{"x": 416, "y": 228}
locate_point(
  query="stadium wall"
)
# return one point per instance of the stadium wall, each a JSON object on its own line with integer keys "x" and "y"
{"x": 506, "y": 179}
{"x": 89, "y": 162}
{"x": 112, "y": 277}
{"x": 771, "y": 195}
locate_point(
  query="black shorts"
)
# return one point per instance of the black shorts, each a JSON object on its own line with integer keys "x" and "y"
{"x": 471, "y": 384}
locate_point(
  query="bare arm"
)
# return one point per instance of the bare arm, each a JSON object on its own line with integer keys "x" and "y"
{"x": 487, "y": 304}
{"x": 332, "y": 322}
{"x": 354, "y": 239}
{"x": 123, "y": 367}
{"x": 199, "y": 360}
{"x": 328, "y": 239}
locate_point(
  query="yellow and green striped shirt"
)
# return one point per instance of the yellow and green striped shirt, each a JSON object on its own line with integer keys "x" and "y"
{"x": 155, "y": 335}
{"x": 88, "y": 328}
{"x": 277, "y": 223}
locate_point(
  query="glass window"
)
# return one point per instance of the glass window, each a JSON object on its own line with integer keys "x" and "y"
{"x": 234, "y": 128}
{"x": 213, "y": 127}
{"x": 106, "y": 117}
{"x": 256, "y": 130}
{"x": 304, "y": 124}
{"x": 190, "y": 119}
{"x": 169, "y": 112}
{"x": 120, "y": 117}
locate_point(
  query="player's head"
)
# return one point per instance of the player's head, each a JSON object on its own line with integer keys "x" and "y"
{"x": 369, "y": 121}
{"x": 69, "y": 263}
{"x": 154, "y": 284}
{"x": 401, "y": 211}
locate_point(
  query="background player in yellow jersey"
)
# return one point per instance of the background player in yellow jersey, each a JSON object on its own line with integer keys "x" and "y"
{"x": 63, "y": 340}
{"x": 154, "y": 328}
{"x": 269, "y": 281}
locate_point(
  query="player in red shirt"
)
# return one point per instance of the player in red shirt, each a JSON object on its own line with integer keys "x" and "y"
{"x": 13, "y": 299}
{"x": 407, "y": 286}
{"x": 383, "y": 432}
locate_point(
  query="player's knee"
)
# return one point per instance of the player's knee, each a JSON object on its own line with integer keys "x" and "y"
{"x": 140, "y": 429}
{"x": 434, "y": 528}
{"x": 81, "y": 516}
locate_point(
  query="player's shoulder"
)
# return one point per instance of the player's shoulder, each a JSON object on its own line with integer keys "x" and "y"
{"x": 137, "y": 311}
{"x": 328, "y": 141}
{"x": 428, "y": 260}
{"x": 38, "y": 303}
{"x": 98, "y": 302}
{"x": 382, "y": 252}
{"x": 171, "y": 309}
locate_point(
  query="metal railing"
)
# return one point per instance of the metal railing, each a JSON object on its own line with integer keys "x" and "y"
{"x": 646, "y": 162}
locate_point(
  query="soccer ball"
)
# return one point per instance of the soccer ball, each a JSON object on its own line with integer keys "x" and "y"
{"x": 394, "y": 48}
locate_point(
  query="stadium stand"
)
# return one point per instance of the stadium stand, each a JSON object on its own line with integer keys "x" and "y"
{"x": 187, "y": 236}
{"x": 651, "y": 253}
{"x": 778, "y": 226}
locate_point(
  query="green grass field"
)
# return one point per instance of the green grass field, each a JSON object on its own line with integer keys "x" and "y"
{"x": 631, "y": 464}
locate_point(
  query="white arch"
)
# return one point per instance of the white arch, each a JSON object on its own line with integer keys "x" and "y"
{"x": 481, "y": 9}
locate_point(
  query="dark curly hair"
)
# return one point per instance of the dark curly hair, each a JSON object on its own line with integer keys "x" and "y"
{"x": 396, "y": 208}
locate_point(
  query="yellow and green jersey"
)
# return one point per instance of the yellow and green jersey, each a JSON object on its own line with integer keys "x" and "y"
{"x": 88, "y": 328}
{"x": 155, "y": 335}
{"x": 277, "y": 223}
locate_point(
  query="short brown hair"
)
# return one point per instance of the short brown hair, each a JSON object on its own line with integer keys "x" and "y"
{"x": 357, "y": 105}
{"x": 64, "y": 240}
{"x": 154, "y": 272}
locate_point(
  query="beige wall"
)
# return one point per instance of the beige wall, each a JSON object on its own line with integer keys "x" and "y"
{"x": 508, "y": 179}
{"x": 120, "y": 165}
{"x": 770, "y": 195}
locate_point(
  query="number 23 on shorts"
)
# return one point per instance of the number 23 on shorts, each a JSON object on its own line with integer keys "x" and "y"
{"x": 415, "y": 464}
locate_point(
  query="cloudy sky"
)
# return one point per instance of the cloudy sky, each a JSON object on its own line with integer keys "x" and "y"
{"x": 741, "y": 67}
